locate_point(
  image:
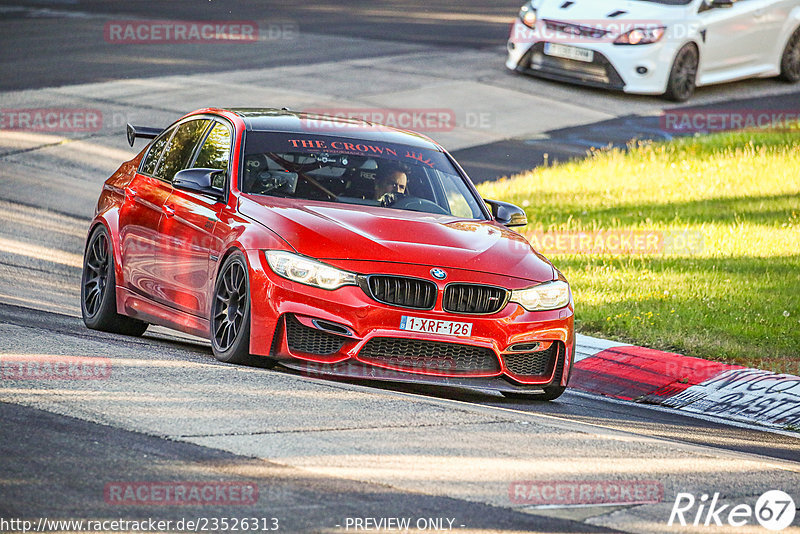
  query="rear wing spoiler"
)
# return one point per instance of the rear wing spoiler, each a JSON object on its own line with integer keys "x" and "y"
{"x": 141, "y": 132}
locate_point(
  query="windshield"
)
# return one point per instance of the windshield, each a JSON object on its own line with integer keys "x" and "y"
{"x": 355, "y": 171}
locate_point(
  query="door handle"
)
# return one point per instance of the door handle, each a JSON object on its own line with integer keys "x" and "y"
{"x": 130, "y": 193}
{"x": 169, "y": 211}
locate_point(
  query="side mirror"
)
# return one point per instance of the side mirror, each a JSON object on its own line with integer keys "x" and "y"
{"x": 198, "y": 181}
{"x": 507, "y": 214}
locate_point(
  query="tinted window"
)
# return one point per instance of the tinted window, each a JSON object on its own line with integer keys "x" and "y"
{"x": 215, "y": 152}
{"x": 355, "y": 171}
{"x": 150, "y": 161}
{"x": 180, "y": 148}
{"x": 456, "y": 193}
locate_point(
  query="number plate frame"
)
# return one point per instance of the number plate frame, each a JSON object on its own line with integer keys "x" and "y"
{"x": 436, "y": 326}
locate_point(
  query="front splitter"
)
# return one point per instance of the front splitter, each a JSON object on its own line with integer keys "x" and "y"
{"x": 353, "y": 370}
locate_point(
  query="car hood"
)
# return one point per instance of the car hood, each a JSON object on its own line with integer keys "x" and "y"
{"x": 617, "y": 15}
{"x": 329, "y": 231}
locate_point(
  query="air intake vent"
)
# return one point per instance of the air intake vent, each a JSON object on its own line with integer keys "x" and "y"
{"x": 470, "y": 298}
{"x": 569, "y": 28}
{"x": 301, "y": 338}
{"x": 403, "y": 292}
{"x": 431, "y": 357}
{"x": 532, "y": 363}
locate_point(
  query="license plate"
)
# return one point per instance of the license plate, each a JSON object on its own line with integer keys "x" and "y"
{"x": 435, "y": 326}
{"x": 568, "y": 52}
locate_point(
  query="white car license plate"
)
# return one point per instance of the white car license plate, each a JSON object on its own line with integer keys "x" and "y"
{"x": 569, "y": 52}
{"x": 435, "y": 326}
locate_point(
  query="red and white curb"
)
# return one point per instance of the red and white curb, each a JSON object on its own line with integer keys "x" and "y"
{"x": 638, "y": 374}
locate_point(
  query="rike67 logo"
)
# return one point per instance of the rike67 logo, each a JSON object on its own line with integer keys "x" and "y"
{"x": 774, "y": 510}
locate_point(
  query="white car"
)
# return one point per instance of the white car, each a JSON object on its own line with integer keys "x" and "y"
{"x": 656, "y": 46}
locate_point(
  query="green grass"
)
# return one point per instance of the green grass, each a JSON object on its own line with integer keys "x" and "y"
{"x": 733, "y": 298}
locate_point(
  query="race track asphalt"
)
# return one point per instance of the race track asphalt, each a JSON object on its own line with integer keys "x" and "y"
{"x": 320, "y": 451}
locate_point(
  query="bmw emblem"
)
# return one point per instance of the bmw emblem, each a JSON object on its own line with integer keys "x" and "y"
{"x": 439, "y": 274}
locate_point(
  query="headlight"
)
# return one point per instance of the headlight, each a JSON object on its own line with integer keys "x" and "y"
{"x": 307, "y": 271}
{"x": 527, "y": 14}
{"x": 640, "y": 36}
{"x": 546, "y": 296}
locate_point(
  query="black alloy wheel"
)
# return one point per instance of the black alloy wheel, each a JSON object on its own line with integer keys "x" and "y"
{"x": 230, "y": 319}
{"x": 98, "y": 289}
{"x": 95, "y": 269}
{"x": 790, "y": 61}
{"x": 683, "y": 76}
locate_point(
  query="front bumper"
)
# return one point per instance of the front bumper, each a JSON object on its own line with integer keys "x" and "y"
{"x": 357, "y": 371}
{"x": 346, "y": 333}
{"x": 642, "y": 69}
{"x": 599, "y": 73}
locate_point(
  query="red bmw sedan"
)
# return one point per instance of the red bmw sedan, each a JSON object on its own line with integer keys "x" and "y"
{"x": 331, "y": 246}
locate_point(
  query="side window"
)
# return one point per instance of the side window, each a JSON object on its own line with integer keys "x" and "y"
{"x": 151, "y": 160}
{"x": 216, "y": 152}
{"x": 457, "y": 193}
{"x": 180, "y": 148}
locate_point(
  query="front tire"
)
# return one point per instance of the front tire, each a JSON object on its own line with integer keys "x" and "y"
{"x": 230, "y": 313}
{"x": 683, "y": 75}
{"x": 550, "y": 393}
{"x": 790, "y": 60}
{"x": 98, "y": 289}
{"x": 553, "y": 392}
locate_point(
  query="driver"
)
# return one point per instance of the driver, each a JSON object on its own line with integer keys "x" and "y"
{"x": 390, "y": 181}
